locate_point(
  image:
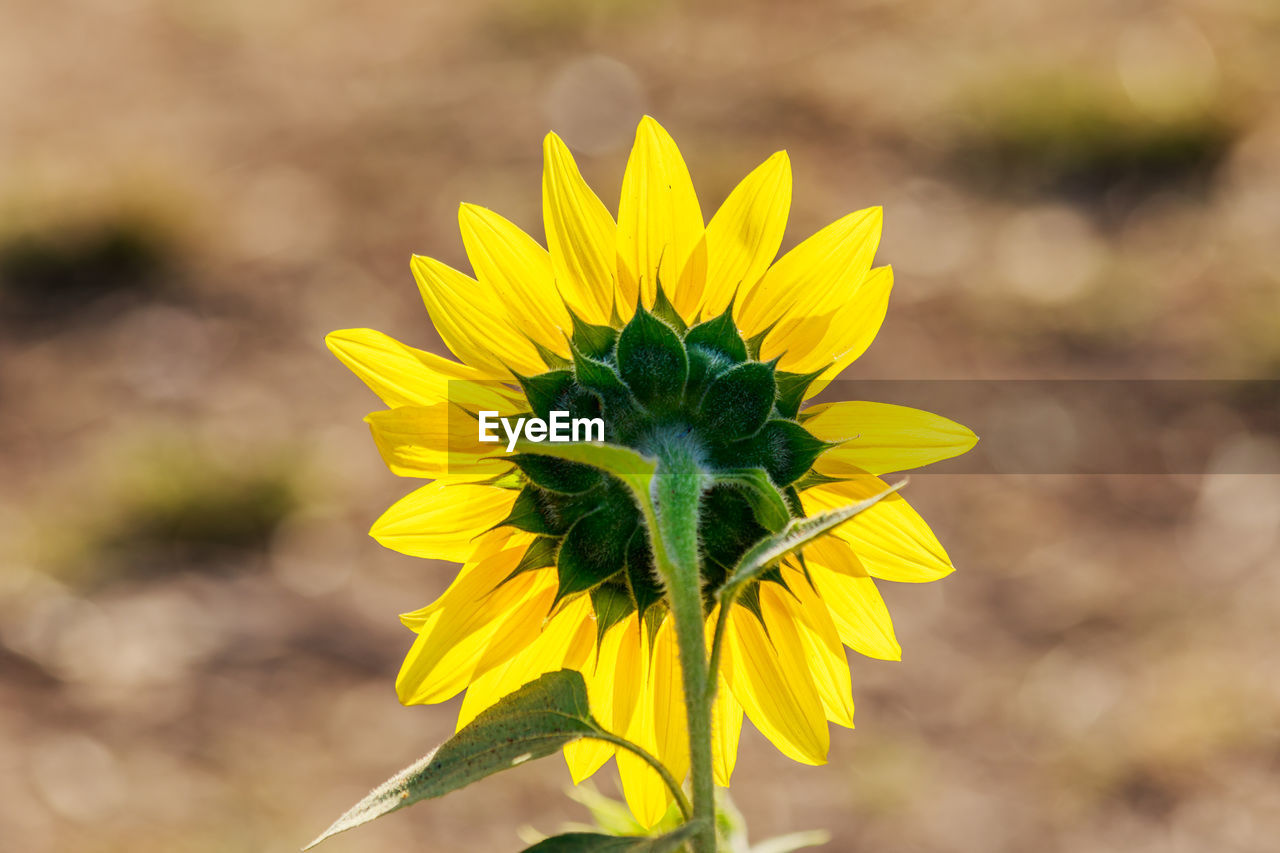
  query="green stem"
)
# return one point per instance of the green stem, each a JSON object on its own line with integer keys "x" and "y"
{"x": 652, "y": 760}
{"x": 673, "y": 519}
{"x": 727, "y": 596}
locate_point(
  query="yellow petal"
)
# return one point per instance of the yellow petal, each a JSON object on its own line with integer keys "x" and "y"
{"x": 487, "y": 567}
{"x": 659, "y": 221}
{"x": 585, "y": 757}
{"x": 434, "y": 442}
{"x": 726, "y": 729}
{"x": 642, "y": 788}
{"x": 581, "y": 235}
{"x": 890, "y": 539}
{"x": 516, "y": 268}
{"x": 726, "y": 720}
{"x": 834, "y": 340}
{"x": 473, "y": 320}
{"x": 670, "y": 719}
{"x": 404, "y": 376}
{"x": 769, "y": 676}
{"x": 880, "y": 437}
{"x": 440, "y": 521}
{"x": 462, "y": 643}
{"x": 852, "y": 599}
{"x": 545, "y": 654}
{"x": 744, "y": 235}
{"x": 821, "y": 641}
{"x": 815, "y": 277}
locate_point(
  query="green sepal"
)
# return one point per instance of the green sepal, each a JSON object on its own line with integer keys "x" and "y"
{"x": 547, "y": 391}
{"x": 664, "y": 310}
{"x": 704, "y": 365}
{"x": 540, "y": 554}
{"x": 785, "y": 449}
{"x": 547, "y": 513}
{"x": 728, "y": 526}
{"x": 527, "y": 514}
{"x": 750, "y": 599}
{"x": 791, "y": 388}
{"x": 594, "y": 341}
{"x": 812, "y": 478}
{"x": 535, "y": 721}
{"x": 612, "y": 603}
{"x": 551, "y": 358}
{"x": 556, "y": 475}
{"x": 768, "y": 504}
{"x": 756, "y": 341}
{"x": 642, "y": 577}
{"x": 593, "y": 550}
{"x": 737, "y": 403}
{"x": 720, "y": 335}
{"x": 652, "y": 360}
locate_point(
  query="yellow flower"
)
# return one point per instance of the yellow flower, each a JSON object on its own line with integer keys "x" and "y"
{"x": 556, "y": 571}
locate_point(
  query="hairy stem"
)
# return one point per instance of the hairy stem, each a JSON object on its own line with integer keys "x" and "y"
{"x": 677, "y": 491}
{"x": 652, "y": 760}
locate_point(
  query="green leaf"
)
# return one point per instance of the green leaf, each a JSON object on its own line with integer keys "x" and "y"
{"x": 768, "y": 504}
{"x": 642, "y": 576}
{"x": 591, "y": 842}
{"x": 651, "y": 359}
{"x": 760, "y": 557}
{"x": 533, "y": 722}
{"x": 737, "y": 402}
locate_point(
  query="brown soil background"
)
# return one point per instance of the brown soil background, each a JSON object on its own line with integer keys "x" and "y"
{"x": 197, "y": 641}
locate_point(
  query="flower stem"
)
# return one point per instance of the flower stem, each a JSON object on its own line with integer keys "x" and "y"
{"x": 677, "y": 491}
{"x": 649, "y": 758}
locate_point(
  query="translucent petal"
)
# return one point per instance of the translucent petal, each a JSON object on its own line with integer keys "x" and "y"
{"x": 744, "y": 235}
{"x": 880, "y": 437}
{"x": 890, "y": 539}
{"x": 769, "y": 676}
{"x": 403, "y": 376}
{"x": 855, "y": 605}
{"x": 519, "y": 271}
{"x": 815, "y": 277}
{"x": 472, "y": 320}
{"x": 434, "y": 442}
{"x": 441, "y": 520}
{"x": 821, "y": 641}
{"x": 659, "y": 222}
{"x": 581, "y": 235}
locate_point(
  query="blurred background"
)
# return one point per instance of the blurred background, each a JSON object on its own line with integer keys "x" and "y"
{"x": 198, "y": 641}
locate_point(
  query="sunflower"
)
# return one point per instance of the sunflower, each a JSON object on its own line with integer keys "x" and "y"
{"x": 657, "y": 322}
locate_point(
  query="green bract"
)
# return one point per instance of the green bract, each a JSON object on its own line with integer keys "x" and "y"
{"x": 657, "y": 383}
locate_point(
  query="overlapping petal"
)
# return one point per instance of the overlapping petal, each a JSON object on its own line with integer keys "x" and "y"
{"x": 441, "y": 520}
{"x": 744, "y": 235}
{"x": 433, "y": 442}
{"x": 890, "y": 539}
{"x": 581, "y": 235}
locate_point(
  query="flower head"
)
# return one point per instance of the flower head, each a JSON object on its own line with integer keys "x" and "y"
{"x": 669, "y": 330}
